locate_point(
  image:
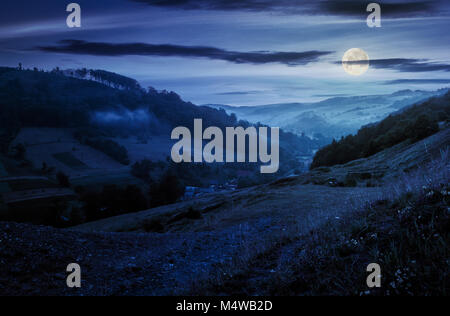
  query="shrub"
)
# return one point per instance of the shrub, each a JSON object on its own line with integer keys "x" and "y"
{"x": 113, "y": 200}
{"x": 19, "y": 152}
{"x": 63, "y": 179}
{"x": 193, "y": 214}
{"x": 350, "y": 181}
{"x": 141, "y": 170}
{"x": 169, "y": 190}
{"x": 153, "y": 226}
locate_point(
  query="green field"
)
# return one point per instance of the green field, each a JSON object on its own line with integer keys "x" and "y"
{"x": 70, "y": 160}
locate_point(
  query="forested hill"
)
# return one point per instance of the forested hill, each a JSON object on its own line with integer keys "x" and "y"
{"x": 83, "y": 98}
{"x": 411, "y": 124}
{"x": 52, "y": 99}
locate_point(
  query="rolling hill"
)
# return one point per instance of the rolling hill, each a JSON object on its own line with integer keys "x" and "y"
{"x": 264, "y": 240}
{"x": 333, "y": 117}
{"x": 91, "y": 130}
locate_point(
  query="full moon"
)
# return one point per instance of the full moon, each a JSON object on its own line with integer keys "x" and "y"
{"x": 355, "y": 61}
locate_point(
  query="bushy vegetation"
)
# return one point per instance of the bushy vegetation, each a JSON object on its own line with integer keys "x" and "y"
{"x": 63, "y": 179}
{"x": 112, "y": 200}
{"x": 167, "y": 191}
{"x": 142, "y": 169}
{"x": 413, "y": 124}
{"x": 407, "y": 237}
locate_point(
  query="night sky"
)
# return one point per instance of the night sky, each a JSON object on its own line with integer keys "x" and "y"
{"x": 245, "y": 52}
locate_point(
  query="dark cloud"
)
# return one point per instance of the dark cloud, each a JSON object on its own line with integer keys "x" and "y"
{"x": 418, "y": 81}
{"x": 356, "y": 8}
{"x": 402, "y": 64}
{"x": 112, "y": 49}
{"x": 312, "y": 7}
{"x": 238, "y": 93}
{"x": 337, "y": 95}
{"x": 230, "y": 5}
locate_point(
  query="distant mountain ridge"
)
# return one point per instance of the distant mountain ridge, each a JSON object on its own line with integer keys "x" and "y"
{"x": 334, "y": 117}
{"x": 412, "y": 124}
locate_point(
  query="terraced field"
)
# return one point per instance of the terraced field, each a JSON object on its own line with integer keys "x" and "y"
{"x": 70, "y": 160}
{"x": 56, "y": 147}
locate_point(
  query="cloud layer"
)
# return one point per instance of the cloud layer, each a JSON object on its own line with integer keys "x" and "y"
{"x": 396, "y": 8}
{"x": 402, "y": 64}
{"x": 417, "y": 81}
{"x": 143, "y": 49}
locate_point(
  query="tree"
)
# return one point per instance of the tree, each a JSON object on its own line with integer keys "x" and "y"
{"x": 167, "y": 191}
{"x": 63, "y": 179}
{"x": 19, "y": 152}
{"x": 141, "y": 170}
{"x": 424, "y": 127}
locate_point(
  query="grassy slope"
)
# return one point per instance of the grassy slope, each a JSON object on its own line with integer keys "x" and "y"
{"x": 406, "y": 233}
{"x": 387, "y": 165}
{"x": 272, "y": 204}
{"x": 96, "y": 168}
{"x": 319, "y": 240}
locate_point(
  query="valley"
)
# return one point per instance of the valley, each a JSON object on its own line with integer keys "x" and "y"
{"x": 330, "y": 118}
{"x": 186, "y": 246}
{"x": 102, "y": 193}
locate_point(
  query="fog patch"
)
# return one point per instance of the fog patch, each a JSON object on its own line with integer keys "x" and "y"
{"x": 129, "y": 121}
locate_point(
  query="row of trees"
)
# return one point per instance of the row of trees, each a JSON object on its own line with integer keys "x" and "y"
{"x": 51, "y": 99}
{"x": 114, "y": 200}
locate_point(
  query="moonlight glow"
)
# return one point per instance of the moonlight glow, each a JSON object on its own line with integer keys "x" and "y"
{"x": 355, "y": 61}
